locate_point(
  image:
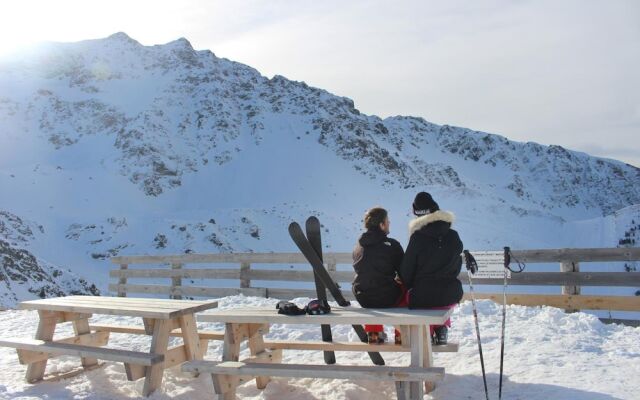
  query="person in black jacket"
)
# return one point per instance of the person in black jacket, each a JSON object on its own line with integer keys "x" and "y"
{"x": 376, "y": 259}
{"x": 432, "y": 261}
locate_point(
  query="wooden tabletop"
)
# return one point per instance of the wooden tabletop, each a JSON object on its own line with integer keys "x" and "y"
{"x": 129, "y": 306}
{"x": 338, "y": 316}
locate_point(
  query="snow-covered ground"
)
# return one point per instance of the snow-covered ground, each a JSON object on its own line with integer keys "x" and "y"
{"x": 549, "y": 355}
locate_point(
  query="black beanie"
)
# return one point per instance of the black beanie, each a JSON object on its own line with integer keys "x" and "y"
{"x": 424, "y": 204}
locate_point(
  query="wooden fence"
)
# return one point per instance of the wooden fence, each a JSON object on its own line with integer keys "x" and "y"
{"x": 569, "y": 278}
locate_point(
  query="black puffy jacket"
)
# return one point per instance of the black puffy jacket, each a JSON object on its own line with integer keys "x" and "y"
{"x": 376, "y": 259}
{"x": 432, "y": 262}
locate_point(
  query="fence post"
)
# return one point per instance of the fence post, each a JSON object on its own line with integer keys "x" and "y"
{"x": 331, "y": 267}
{"x": 245, "y": 280}
{"x": 176, "y": 281}
{"x": 122, "y": 281}
{"x": 570, "y": 266}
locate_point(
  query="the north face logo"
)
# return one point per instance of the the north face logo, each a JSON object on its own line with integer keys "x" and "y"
{"x": 387, "y": 243}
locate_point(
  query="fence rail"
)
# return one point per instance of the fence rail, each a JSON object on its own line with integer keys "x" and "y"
{"x": 528, "y": 256}
{"x": 569, "y": 278}
{"x": 624, "y": 279}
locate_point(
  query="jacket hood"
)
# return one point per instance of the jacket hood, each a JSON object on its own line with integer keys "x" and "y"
{"x": 372, "y": 237}
{"x": 420, "y": 222}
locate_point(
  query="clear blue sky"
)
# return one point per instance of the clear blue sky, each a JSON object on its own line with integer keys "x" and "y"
{"x": 554, "y": 72}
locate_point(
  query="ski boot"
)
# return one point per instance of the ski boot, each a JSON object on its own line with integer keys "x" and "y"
{"x": 376, "y": 337}
{"x": 440, "y": 335}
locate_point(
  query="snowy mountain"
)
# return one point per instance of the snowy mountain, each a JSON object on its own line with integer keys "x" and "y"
{"x": 118, "y": 148}
{"x": 23, "y": 275}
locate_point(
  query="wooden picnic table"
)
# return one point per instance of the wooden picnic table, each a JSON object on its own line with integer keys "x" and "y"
{"x": 252, "y": 324}
{"x": 159, "y": 316}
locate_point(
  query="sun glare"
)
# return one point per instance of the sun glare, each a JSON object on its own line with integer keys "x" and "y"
{"x": 20, "y": 27}
{"x": 27, "y": 22}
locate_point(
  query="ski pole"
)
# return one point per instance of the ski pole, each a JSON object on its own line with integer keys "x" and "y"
{"x": 507, "y": 268}
{"x": 507, "y": 261}
{"x": 472, "y": 267}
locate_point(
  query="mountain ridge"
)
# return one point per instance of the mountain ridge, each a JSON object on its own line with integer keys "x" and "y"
{"x": 164, "y": 137}
{"x": 337, "y": 123}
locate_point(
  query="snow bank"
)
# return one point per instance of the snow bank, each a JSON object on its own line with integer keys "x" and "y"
{"x": 549, "y": 355}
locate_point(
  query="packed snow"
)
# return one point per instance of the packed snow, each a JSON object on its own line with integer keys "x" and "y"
{"x": 549, "y": 355}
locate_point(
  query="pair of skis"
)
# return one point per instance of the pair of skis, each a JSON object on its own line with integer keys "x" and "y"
{"x": 472, "y": 267}
{"x": 311, "y": 248}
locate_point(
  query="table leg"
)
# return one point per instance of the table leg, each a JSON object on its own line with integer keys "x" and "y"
{"x": 190, "y": 337}
{"x": 401, "y": 390}
{"x": 402, "y": 387}
{"x": 192, "y": 344}
{"x": 225, "y": 386}
{"x": 148, "y": 325}
{"x": 428, "y": 359}
{"x": 256, "y": 347}
{"x": 159, "y": 343}
{"x": 417, "y": 359}
{"x": 46, "y": 329}
{"x": 234, "y": 334}
{"x": 404, "y": 331}
{"x": 81, "y": 326}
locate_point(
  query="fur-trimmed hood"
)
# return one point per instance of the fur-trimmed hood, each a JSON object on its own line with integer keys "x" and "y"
{"x": 420, "y": 222}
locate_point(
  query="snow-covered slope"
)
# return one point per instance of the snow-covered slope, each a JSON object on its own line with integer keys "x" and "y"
{"x": 118, "y": 148}
{"x": 22, "y": 275}
{"x": 576, "y": 357}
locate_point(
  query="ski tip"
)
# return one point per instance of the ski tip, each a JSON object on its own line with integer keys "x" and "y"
{"x": 312, "y": 224}
{"x": 293, "y": 225}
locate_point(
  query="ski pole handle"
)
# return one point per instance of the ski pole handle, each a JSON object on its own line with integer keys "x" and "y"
{"x": 507, "y": 257}
{"x": 470, "y": 262}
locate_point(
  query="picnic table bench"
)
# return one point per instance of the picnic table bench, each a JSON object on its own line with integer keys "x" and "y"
{"x": 161, "y": 318}
{"x": 265, "y": 361}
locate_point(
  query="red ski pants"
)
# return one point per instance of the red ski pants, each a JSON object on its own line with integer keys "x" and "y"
{"x": 403, "y": 301}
